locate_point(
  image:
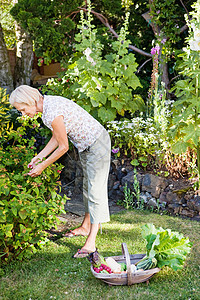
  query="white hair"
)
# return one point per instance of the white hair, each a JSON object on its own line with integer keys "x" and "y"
{"x": 24, "y": 94}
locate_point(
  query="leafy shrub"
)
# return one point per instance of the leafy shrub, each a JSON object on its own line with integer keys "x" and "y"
{"x": 4, "y": 117}
{"x": 28, "y": 206}
{"x": 185, "y": 131}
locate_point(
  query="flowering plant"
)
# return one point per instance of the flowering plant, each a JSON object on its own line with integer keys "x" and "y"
{"x": 186, "y": 112}
{"x": 136, "y": 138}
{"x": 28, "y": 206}
{"x": 104, "y": 86}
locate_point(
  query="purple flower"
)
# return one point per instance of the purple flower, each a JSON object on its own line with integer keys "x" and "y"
{"x": 163, "y": 41}
{"x": 157, "y": 48}
{"x": 153, "y": 51}
{"x": 116, "y": 150}
{"x": 158, "y": 11}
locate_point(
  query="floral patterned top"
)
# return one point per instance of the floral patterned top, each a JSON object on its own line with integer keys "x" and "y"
{"x": 82, "y": 129}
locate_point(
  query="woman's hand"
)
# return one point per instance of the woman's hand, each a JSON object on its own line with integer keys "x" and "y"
{"x": 34, "y": 162}
{"x": 36, "y": 171}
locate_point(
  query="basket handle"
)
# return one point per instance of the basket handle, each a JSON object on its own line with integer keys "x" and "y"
{"x": 128, "y": 262}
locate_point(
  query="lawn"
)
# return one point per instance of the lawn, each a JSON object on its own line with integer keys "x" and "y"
{"x": 52, "y": 273}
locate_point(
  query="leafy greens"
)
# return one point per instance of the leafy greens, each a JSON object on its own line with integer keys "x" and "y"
{"x": 168, "y": 247}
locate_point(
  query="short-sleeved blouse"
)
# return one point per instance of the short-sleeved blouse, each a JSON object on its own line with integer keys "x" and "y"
{"x": 82, "y": 129}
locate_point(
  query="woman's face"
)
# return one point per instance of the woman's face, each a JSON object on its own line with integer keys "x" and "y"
{"x": 26, "y": 110}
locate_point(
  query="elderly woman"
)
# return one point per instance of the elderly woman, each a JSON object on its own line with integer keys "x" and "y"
{"x": 66, "y": 120}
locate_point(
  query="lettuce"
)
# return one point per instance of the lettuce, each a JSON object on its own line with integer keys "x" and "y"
{"x": 168, "y": 247}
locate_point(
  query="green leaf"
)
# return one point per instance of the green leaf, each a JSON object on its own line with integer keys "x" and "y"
{"x": 116, "y": 103}
{"x": 180, "y": 147}
{"x": 23, "y": 214}
{"x": 191, "y": 132}
{"x": 8, "y": 229}
{"x": 169, "y": 248}
{"x": 14, "y": 210}
{"x": 111, "y": 90}
{"x": 133, "y": 82}
{"x": 135, "y": 162}
{"x": 106, "y": 114}
{"x": 106, "y": 68}
{"x": 94, "y": 103}
{"x": 99, "y": 97}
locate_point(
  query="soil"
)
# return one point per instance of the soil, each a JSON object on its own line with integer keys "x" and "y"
{"x": 68, "y": 221}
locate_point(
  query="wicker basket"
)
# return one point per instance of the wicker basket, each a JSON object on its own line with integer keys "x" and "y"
{"x": 128, "y": 278}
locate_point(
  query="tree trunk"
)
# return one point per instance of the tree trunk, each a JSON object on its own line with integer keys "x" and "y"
{"x": 6, "y": 79}
{"x": 165, "y": 75}
{"x": 24, "y": 59}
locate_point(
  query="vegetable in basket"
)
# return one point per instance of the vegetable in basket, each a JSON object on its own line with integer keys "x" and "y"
{"x": 107, "y": 265}
{"x": 98, "y": 262}
{"x": 96, "y": 259}
{"x": 166, "y": 247}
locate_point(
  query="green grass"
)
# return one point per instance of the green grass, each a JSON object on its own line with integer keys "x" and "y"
{"x": 52, "y": 273}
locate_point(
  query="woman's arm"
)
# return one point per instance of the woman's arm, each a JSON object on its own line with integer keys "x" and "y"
{"x": 60, "y": 135}
{"x": 49, "y": 148}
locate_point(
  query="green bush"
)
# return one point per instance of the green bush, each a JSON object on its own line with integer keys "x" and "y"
{"x": 28, "y": 206}
{"x": 4, "y": 116}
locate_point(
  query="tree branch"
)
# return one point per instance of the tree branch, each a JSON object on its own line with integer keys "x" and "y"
{"x": 185, "y": 9}
{"x": 105, "y": 22}
{"x": 144, "y": 63}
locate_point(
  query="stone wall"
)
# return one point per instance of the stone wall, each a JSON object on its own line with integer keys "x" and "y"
{"x": 174, "y": 196}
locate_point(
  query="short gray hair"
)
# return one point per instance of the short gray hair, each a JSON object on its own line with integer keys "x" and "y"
{"x": 24, "y": 94}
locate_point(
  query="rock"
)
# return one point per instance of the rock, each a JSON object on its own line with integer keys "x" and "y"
{"x": 111, "y": 181}
{"x": 194, "y": 203}
{"x": 69, "y": 172}
{"x": 187, "y": 213}
{"x": 174, "y": 208}
{"x": 148, "y": 195}
{"x": 116, "y": 195}
{"x": 129, "y": 179}
{"x": 152, "y": 203}
{"x": 143, "y": 198}
{"x": 154, "y": 184}
{"x": 172, "y": 198}
{"x": 116, "y": 185}
{"x": 121, "y": 173}
{"x": 163, "y": 197}
{"x": 196, "y": 218}
{"x": 79, "y": 176}
{"x": 115, "y": 163}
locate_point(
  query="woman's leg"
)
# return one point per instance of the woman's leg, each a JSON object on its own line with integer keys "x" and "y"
{"x": 84, "y": 229}
{"x": 90, "y": 242}
{"x": 97, "y": 168}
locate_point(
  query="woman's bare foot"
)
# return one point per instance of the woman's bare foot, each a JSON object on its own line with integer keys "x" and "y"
{"x": 81, "y": 231}
{"x": 90, "y": 241}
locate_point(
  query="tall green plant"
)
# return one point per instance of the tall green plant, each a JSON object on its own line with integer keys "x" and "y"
{"x": 186, "y": 115}
{"x": 104, "y": 86}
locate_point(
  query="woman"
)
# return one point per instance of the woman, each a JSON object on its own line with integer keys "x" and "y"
{"x": 66, "y": 120}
